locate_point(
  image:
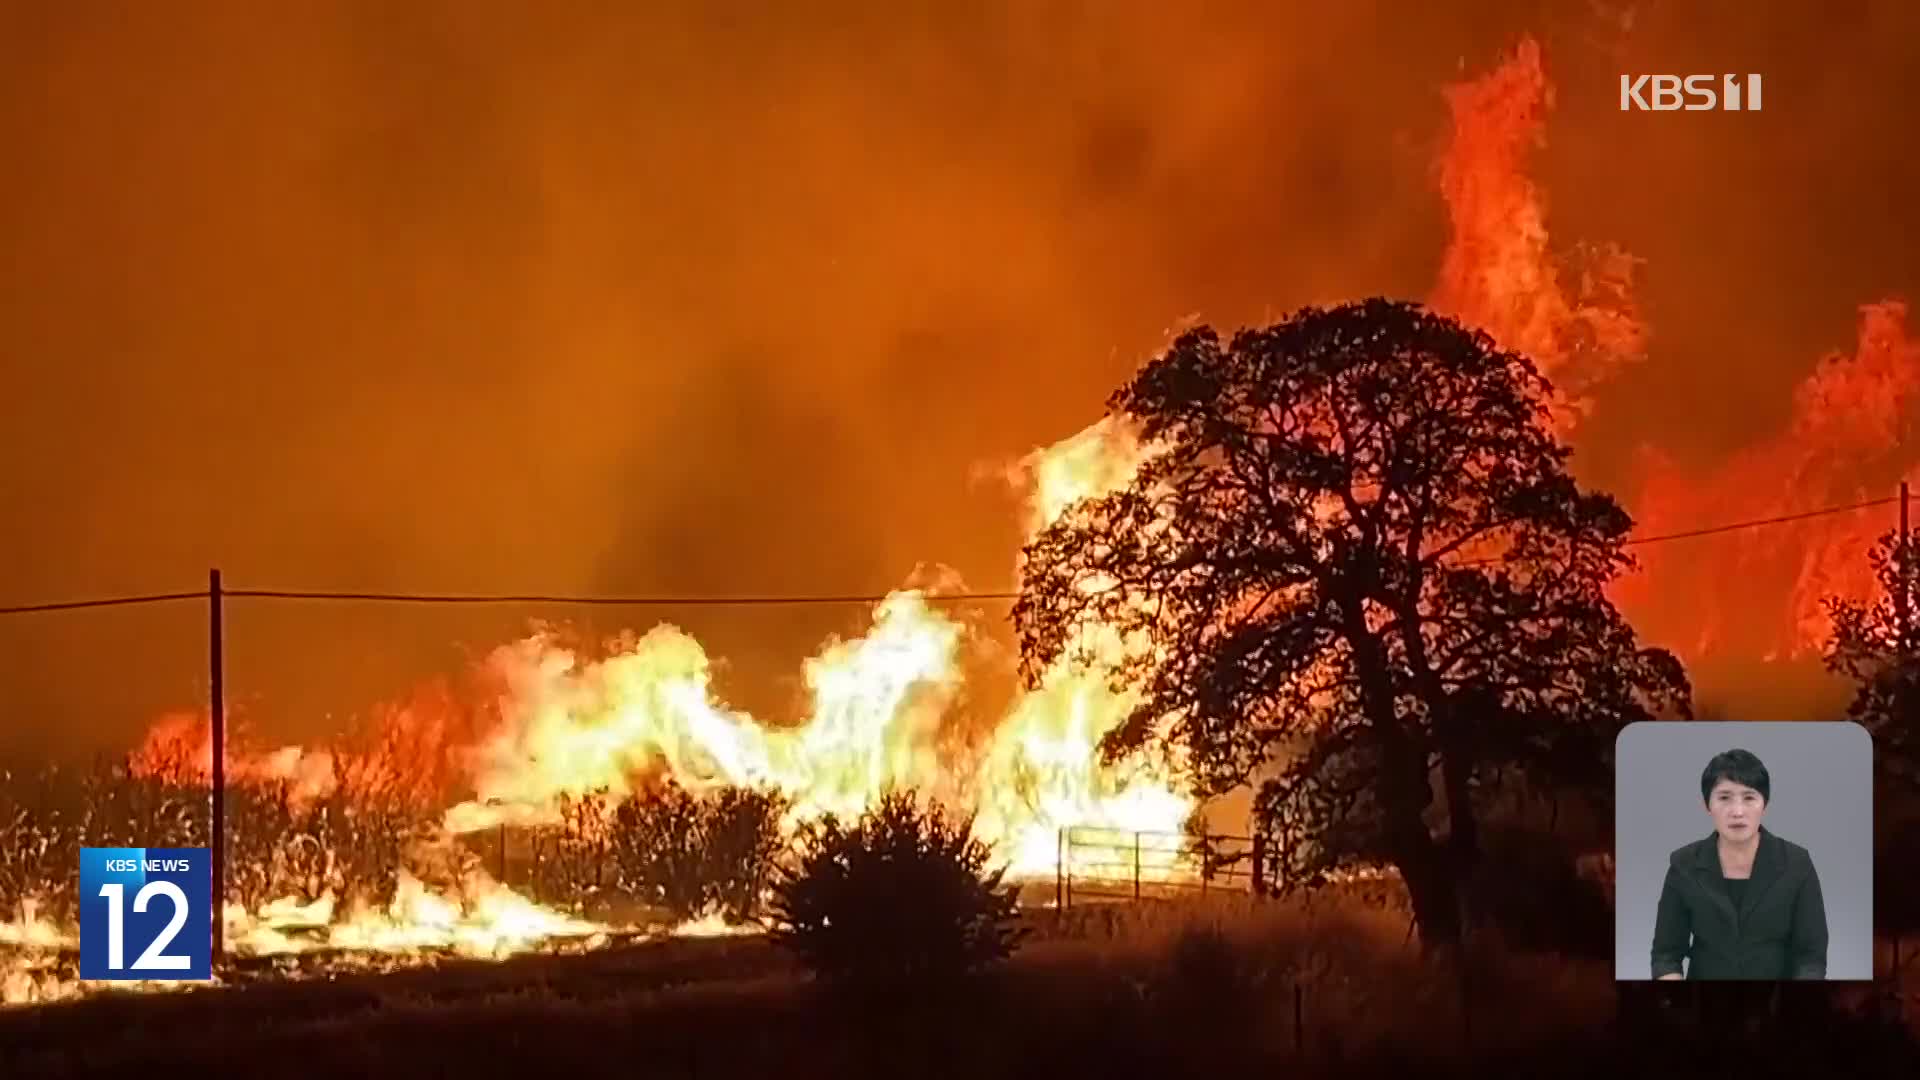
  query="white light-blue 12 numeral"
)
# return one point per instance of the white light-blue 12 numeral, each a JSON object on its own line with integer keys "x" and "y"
{"x": 152, "y": 959}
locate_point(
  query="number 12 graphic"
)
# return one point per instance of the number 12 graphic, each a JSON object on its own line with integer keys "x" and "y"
{"x": 168, "y": 924}
{"x": 153, "y": 959}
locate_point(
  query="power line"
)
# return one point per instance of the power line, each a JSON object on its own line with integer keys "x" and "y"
{"x": 620, "y": 601}
{"x": 1758, "y": 522}
{"x": 115, "y": 601}
{"x": 1715, "y": 530}
{"x": 766, "y": 601}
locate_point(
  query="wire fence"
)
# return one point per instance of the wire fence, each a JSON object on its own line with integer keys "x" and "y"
{"x": 1097, "y": 864}
{"x": 1105, "y": 865}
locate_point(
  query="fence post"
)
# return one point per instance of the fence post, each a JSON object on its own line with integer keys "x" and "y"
{"x": 1466, "y": 993}
{"x": 1136, "y": 865}
{"x": 1299, "y": 1018}
{"x": 1203, "y": 862}
{"x": 217, "y": 735}
{"x": 1060, "y": 869}
{"x": 1259, "y": 864}
{"x": 1899, "y": 983}
{"x": 1068, "y": 863}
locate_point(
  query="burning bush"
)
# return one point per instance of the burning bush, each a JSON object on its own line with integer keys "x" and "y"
{"x": 278, "y": 844}
{"x": 41, "y": 822}
{"x": 49, "y": 816}
{"x": 741, "y": 843}
{"x": 692, "y": 855}
{"x": 682, "y": 855}
{"x": 281, "y": 845}
{"x": 571, "y": 861}
{"x": 903, "y": 894}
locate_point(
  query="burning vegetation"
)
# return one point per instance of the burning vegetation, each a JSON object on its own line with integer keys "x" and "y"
{"x": 641, "y": 802}
{"x": 623, "y": 797}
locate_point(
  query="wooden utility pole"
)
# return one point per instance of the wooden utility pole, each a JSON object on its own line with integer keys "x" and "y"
{"x": 1902, "y": 637}
{"x": 1902, "y": 602}
{"x": 217, "y": 709}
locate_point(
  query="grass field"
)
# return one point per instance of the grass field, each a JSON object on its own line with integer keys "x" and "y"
{"x": 1153, "y": 989}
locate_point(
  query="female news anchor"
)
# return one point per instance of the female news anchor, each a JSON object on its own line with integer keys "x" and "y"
{"x": 1742, "y": 903}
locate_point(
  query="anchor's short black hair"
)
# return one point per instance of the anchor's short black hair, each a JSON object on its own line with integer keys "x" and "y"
{"x": 1739, "y": 766}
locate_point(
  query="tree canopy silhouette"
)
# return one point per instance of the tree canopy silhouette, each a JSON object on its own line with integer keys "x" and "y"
{"x": 1354, "y": 552}
{"x": 1876, "y": 647}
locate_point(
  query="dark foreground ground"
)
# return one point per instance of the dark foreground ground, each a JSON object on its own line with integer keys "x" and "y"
{"x": 1157, "y": 992}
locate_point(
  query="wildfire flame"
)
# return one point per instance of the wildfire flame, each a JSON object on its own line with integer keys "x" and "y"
{"x": 573, "y": 727}
{"x": 883, "y": 707}
{"x": 1043, "y": 771}
{"x": 1845, "y": 442}
{"x": 881, "y": 716}
{"x": 879, "y": 706}
{"x": 178, "y": 748}
{"x": 1500, "y": 272}
{"x": 492, "y": 923}
{"x": 1575, "y": 315}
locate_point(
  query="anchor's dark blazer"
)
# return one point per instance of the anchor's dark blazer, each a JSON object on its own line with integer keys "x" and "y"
{"x": 1779, "y": 931}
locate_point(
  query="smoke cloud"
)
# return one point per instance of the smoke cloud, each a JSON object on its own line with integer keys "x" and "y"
{"x": 448, "y": 297}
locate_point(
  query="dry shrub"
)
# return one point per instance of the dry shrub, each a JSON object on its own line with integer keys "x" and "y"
{"x": 691, "y": 855}
{"x": 1362, "y": 983}
{"x": 277, "y": 845}
{"x": 902, "y": 896}
{"x": 664, "y": 852}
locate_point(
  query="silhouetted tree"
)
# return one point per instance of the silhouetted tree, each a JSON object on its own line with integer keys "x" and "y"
{"x": 902, "y": 895}
{"x": 1872, "y": 647}
{"x": 1879, "y": 650}
{"x": 1355, "y": 541}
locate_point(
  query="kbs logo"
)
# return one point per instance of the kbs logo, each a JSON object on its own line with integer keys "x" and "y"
{"x": 153, "y": 905}
{"x": 1665, "y": 93}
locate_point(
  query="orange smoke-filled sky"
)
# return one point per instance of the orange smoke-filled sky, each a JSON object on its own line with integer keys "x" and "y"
{"x": 469, "y": 297}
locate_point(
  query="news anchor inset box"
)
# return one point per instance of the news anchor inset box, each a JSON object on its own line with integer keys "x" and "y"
{"x": 146, "y": 913}
{"x": 1743, "y": 851}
